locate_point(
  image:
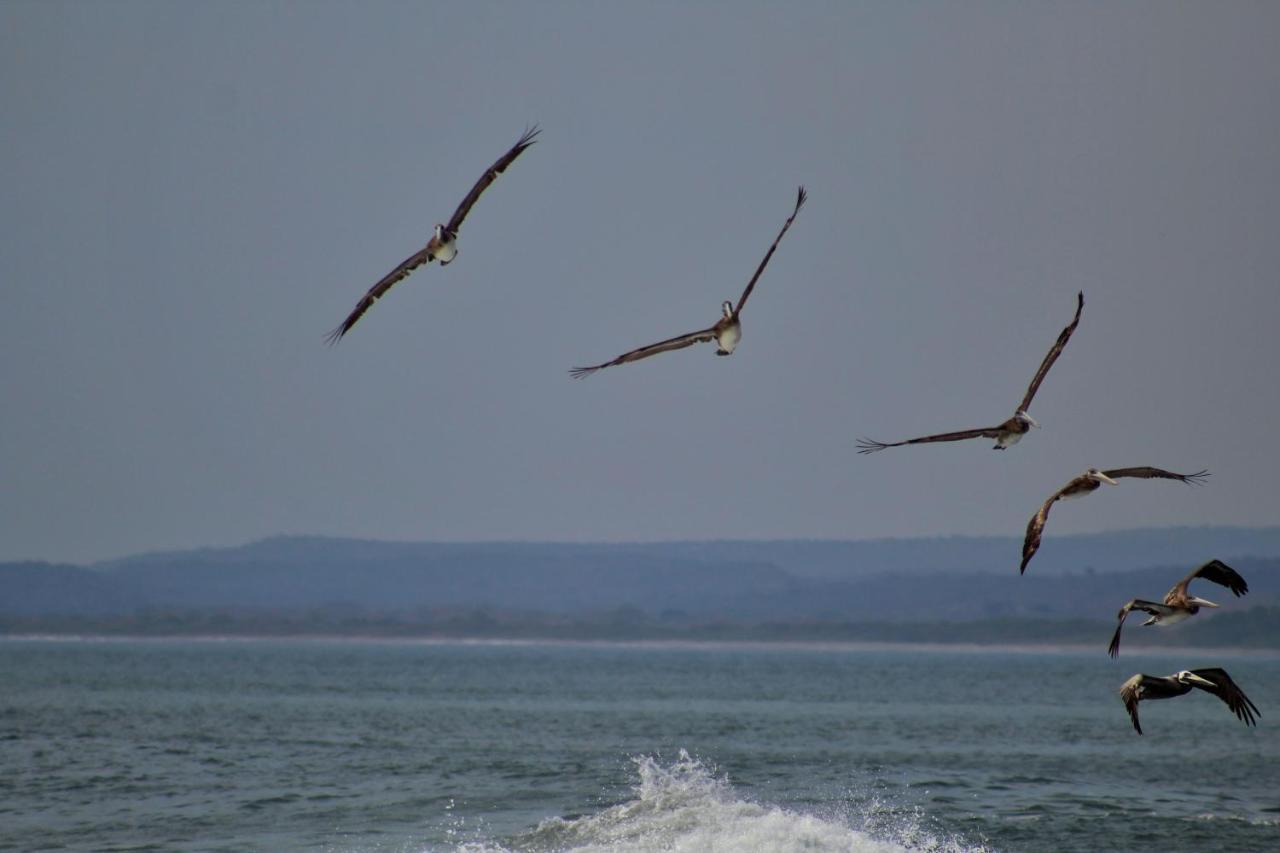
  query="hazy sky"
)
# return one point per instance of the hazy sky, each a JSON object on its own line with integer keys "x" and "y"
{"x": 193, "y": 194}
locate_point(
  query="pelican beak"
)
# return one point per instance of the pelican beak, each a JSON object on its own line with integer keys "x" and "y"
{"x": 1035, "y": 423}
{"x": 1202, "y": 602}
{"x": 1104, "y": 478}
{"x": 1192, "y": 678}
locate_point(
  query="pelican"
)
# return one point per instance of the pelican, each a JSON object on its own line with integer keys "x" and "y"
{"x": 1083, "y": 485}
{"x": 726, "y": 332}
{"x": 1213, "y": 680}
{"x": 443, "y": 244}
{"x": 1011, "y": 431}
{"x": 1178, "y": 605}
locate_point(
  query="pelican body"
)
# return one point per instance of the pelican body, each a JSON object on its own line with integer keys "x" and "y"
{"x": 1011, "y": 431}
{"x": 728, "y": 330}
{"x": 443, "y": 245}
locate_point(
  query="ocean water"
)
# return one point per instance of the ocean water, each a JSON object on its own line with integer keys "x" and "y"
{"x": 239, "y": 745}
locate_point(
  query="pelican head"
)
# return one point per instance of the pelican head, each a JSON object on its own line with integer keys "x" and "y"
{"x": 1194, "y": 680}
{"x": 727, "y": 308}
{"x": 440, "y": 231}
{"x": 1100, "y": 477}
{"x": 1022, "y": 415}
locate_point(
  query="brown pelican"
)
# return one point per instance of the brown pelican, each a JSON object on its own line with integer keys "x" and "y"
{"x": 726, "y": 332}
{"x": 1011, "y": 431}
{"x": 1213, "y": 680}
{"x": 443, "y": 244}
{"x": 1178, "y": 605}
{"x": 1083, "y": 485}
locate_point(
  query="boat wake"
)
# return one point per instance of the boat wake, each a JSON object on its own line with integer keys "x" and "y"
{"x": 685, "y": 807}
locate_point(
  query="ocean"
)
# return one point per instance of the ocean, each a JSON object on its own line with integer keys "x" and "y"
{"x": 347, "y": 745}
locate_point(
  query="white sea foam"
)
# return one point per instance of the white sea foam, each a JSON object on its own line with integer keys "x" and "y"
{"x": 686, "y": 807}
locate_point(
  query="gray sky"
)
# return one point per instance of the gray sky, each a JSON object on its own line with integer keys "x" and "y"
{"x": 193, "y": 194}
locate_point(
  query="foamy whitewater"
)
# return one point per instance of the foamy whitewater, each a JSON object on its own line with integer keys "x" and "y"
{"x": 409, "y": 747}
{"x": 684, "y": 807}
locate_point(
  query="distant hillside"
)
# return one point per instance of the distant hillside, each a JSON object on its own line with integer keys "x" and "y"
{"x": 1116, "y": 551}
{"x": 33, "y": 588}
{"x": 331, "y": 583}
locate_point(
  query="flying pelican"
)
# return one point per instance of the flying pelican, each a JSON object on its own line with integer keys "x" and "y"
{"x": 726, "y": 332}
{"x": 1213, "y": 680}
{"x": 1178, "y": 605}
{"x": 1011, "y": 431}
{"x": 443, "y": 245}
{"x": 1083, "y": 485}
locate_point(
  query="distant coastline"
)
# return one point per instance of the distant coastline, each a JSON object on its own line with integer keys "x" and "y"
{"x": 925, "y": 592}
{"x": 1248, "y": 629}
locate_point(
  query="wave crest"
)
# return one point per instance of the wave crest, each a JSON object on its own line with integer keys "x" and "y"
{"x": 685, "y": 806}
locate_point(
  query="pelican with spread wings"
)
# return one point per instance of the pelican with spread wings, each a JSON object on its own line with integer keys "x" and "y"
{"x": 1213, "y": 680}
{"x": 1083, "y": 485}
{"x": 726, "y": 332}
{"x": 1178, "y": 603}
{"x": 443, "y": 244}
{"x": 1011, "y": 431}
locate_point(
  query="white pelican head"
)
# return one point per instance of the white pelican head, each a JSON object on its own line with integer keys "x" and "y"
{"x": 1022, "y": 415}
{"x": 1100, "y": 477}
{"x": 1187, "y": 677}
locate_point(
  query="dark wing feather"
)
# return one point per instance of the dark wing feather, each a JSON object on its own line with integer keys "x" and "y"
{"x": 868, "y": 445}
{"x": 1220, "y": 573}
{"x": 376, "y": 292}
{"x": 1129, "y": 694}
{"x": 499, "y": 166}
{"x": 742, "y": 300}
{"x": 679, "y": 342}
{"x": 1149, "y": 473}
{"x": 1035, "y": 528}
{"x": 1229, "y": 692}
{"x": 1052, "y": 355}
{"x": 1136, "y": 604}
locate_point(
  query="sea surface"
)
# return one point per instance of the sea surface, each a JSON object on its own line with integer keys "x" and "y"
{"x": 340, "y": 745}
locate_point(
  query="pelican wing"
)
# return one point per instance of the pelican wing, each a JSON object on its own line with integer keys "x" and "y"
{"x": 376, "y": 292}
{"x": 1151, "y": 473}
{"x": 1129, "y": 693}
{"x": 1136, "y": 604}
{"x": 1052, "y": 355}
{"x": 868, "y": 445}
{"x": 1218, "y": 572}
{"x": 680, "y": 342}
{"x": 1229, "y": 692}
{"x": 1035, "y": 527}
{"x": 742, "y": 300}
{"x": 499, "y": 166}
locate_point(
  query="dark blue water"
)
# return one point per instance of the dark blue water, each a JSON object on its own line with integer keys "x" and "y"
{"x": 361, "y": 746}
